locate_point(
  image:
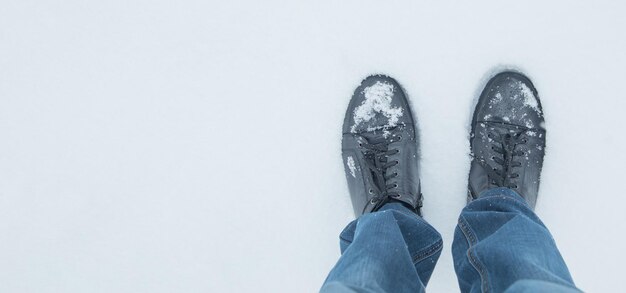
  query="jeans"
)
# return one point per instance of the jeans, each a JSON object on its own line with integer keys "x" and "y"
{"x": 499, "y": 245}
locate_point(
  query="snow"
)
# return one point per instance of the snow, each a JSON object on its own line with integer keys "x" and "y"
{"x": 195, "y": 146}
{"x": 377, "y": 101}
{"x": 529, "y": 97}
{"x": 498, "y": 98}
{"x": 351, "y": 166}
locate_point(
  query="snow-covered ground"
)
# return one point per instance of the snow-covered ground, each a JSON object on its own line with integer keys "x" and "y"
{"x": 194, "y": 146}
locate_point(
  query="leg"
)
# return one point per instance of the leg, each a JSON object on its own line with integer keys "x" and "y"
{"x": 501, "y": 245}
{"x": 391, "y": 250}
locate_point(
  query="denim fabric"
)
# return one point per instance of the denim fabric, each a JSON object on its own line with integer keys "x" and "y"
{"x": 391, "y": 250}
{"x": 500, "y": 245}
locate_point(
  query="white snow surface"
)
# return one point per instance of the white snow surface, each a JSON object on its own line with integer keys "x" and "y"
{"x": 195, "y": 146}
{"x": 377, "y": 101}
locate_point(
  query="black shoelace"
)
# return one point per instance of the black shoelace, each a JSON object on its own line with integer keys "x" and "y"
{"x": 377, "y": 160}
{"x": 505, "y": 145}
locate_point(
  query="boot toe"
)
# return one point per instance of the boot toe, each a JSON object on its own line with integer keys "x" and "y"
{"x": 511, "y": 98}
{"x": 378, "y": 103}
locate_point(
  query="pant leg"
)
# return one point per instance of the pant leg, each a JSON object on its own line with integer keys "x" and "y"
{"x": 500, "y": 245}
{"x": 391, "y": 250}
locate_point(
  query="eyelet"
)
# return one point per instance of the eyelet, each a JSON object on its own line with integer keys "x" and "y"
{"x": 371, "y": 191}
{"x": 372, "y": 201}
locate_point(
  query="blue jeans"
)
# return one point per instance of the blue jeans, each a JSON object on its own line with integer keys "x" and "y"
{"x": 500, "y": 245}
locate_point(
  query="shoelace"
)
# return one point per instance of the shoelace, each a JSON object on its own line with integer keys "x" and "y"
{"x": 377, "y": 160}
{"x": 505, "y": 144}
